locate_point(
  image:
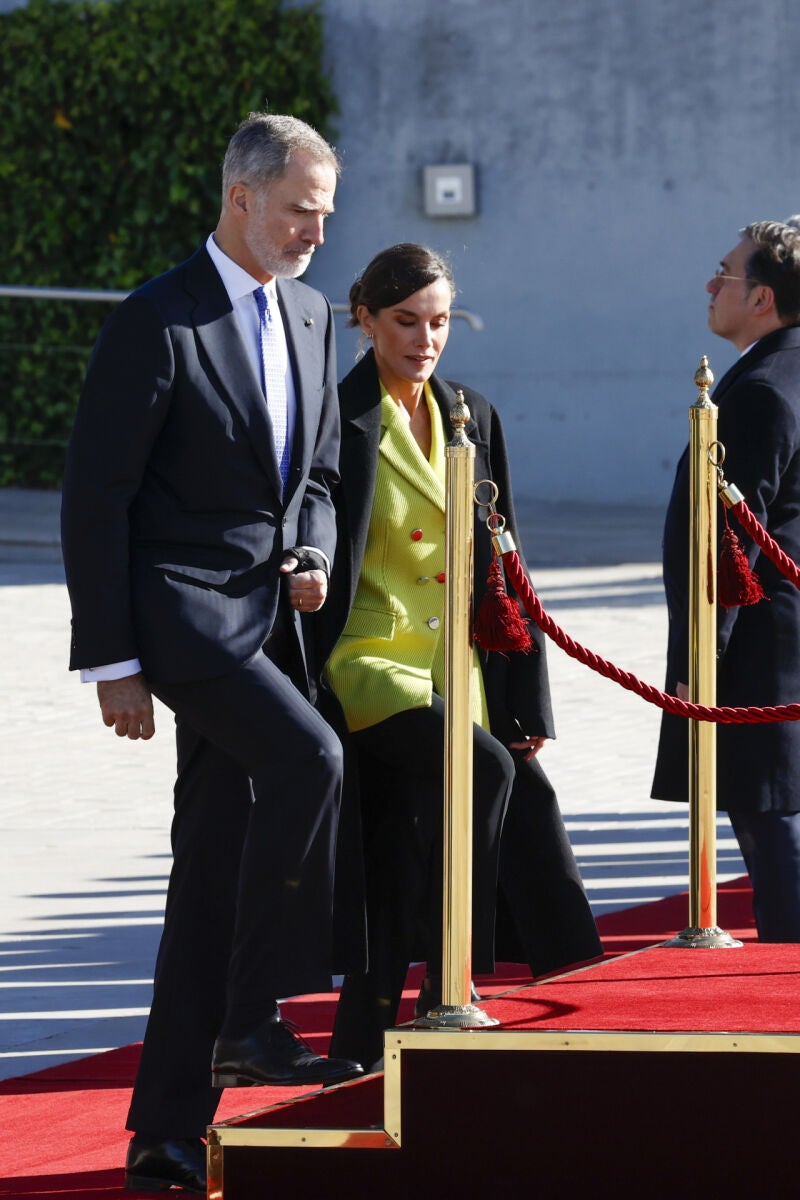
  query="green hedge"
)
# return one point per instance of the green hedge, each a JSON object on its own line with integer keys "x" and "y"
{"x": 114, "y": 117}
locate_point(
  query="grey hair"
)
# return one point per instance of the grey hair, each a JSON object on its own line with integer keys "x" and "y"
{"x": 260, "y": 150}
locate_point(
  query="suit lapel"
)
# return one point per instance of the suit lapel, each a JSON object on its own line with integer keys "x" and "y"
{"x": 305, "y": 348}
{"x": 218, "y": 333}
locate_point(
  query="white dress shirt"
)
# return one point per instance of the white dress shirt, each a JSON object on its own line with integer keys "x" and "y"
{"x": 240, "y": 287}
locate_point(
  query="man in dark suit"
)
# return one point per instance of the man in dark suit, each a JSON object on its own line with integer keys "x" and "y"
{"x": 755, "y": 304}
{"x": 197, "y": 526}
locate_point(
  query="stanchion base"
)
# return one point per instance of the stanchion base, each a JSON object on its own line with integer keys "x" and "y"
{"x": 710, "y": 938}
{"x": 455, "y": 1016}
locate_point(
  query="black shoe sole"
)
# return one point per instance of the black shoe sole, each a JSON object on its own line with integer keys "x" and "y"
{"x": 229, "y": 1081}
{"x": 144, "y": 1183}
{"x": 225, "y": 1080}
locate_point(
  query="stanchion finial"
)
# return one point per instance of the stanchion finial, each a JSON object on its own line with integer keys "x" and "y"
{"x": 459, "y": 415}
{"x": 703, "y": 378}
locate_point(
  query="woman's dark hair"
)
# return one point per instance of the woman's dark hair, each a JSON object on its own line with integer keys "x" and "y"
{"x": 394, "y": 275}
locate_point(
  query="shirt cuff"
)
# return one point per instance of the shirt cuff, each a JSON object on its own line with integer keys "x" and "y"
{"x": 310, "y": 558}
{"x": 120, "y": 670}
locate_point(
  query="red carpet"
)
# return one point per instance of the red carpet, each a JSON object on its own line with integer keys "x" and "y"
{"x": 62, "y": 1147}
{"x": 754, "y": 989}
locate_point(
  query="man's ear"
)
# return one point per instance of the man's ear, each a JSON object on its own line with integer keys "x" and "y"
{"x": 238, "y": 198}
{"x": 764, "y": 299}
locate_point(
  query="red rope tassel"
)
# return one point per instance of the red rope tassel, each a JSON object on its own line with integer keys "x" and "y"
{"x": 499, "y": 624}
{"x": 738, "y": 582}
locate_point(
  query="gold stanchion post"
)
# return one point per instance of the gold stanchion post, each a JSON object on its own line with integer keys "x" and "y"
{"x": 702, "y": 931}
{"x": 455, "y": 1011}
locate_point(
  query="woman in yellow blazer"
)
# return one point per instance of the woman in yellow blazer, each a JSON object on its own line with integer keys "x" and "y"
{"x": 380, "y": 636}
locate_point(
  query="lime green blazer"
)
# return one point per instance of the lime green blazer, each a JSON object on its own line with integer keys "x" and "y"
{"x": 516, "y": 686}
{"x": 390, "y": 656}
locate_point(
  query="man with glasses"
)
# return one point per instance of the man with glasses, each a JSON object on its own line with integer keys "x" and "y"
{"x": 755, "y": 305}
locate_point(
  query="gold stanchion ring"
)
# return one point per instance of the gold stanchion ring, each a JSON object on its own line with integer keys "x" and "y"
{"x": 494, "y": 492}
{"x": 719, "y": 459}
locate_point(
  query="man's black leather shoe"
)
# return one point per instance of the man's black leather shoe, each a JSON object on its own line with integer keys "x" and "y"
{"x": 275, "y": 1054}
{"x": 430, "y": 996}
{"x": 154, "y": 1166}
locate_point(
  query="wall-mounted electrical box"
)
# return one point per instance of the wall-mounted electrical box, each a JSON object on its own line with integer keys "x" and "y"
{"x": 450, "y": 190}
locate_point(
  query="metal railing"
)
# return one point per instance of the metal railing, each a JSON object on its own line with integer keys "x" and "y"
{"x": 474, "y": 321}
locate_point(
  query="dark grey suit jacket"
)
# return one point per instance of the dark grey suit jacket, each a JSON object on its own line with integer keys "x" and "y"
{"x": 173, "y": 519}
{"x": 758, "y": 647}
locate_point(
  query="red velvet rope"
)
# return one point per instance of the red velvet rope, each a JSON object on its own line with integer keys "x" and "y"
{"x": 671, "y": 704}
{"x": 765, "y": 543}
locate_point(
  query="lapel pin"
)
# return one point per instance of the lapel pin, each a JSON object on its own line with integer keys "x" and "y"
{"x": 308, "y": 321}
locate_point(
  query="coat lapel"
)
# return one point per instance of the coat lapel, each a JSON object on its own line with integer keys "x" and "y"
{"x": 218, "y": 334}
{"x": 745, "y": 363}
{"x": 360, "y": 403}
{"x": 446, "y": 398}
{"x": 787, "y": 338}
{"x": 780, "y": 339}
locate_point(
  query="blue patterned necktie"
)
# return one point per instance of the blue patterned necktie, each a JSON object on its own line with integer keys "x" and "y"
{"x": 273, "y": 380}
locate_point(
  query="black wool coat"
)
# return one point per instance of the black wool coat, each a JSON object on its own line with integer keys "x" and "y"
{"x": 758, "y": 646}
{"x": 544, "y": 917}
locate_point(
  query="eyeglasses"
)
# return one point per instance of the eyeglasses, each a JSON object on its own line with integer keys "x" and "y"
{"x": 719, "y": 275}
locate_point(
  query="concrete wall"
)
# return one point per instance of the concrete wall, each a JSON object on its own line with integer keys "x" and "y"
{"x": 620, "y": 145}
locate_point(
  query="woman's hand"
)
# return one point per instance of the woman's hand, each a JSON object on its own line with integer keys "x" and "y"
{"x": 533, "y": 745}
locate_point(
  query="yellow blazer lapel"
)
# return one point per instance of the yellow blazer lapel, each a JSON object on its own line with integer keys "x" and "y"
{"x": 398, "y": 447}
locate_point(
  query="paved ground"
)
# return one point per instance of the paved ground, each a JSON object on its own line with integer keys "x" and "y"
{"x": 85, "y": 816}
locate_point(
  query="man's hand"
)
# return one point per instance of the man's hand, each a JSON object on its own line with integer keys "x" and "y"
{"x": 682, "y": 691}
{"x": 533, "y": 745}
{"x": 127, "y": 705}
{"x": 307, "y": 589}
